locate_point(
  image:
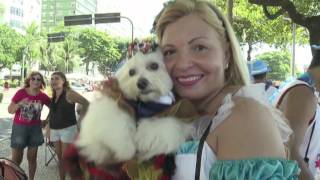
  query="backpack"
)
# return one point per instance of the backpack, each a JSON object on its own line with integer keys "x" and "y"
{"x": 10, "y": 171}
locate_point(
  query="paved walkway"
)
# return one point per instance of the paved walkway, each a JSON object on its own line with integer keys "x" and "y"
{"x": 49, "y": 172}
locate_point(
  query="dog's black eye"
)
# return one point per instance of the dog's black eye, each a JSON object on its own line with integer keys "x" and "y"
{"x": 154, "y": 66}
{"x": 132, "y": 72}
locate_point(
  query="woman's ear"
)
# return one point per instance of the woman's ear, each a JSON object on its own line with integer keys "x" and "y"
{"x": 227, "y": 56}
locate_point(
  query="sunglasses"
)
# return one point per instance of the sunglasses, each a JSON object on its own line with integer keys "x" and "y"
{"x": 36, "y": 79}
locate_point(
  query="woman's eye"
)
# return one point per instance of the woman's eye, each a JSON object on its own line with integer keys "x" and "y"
{"x": 200, "y": 48}
{"x": 168, "y": 52}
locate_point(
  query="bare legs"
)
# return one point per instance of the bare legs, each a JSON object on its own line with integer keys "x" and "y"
{"x": 17, "y": 155}
{"x": 59, "y": 149}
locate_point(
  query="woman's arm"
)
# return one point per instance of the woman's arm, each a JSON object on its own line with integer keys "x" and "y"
{"x": 299, "y": 106}
{"x": 248, "y": 132}
{"x": 13, "y": 107}
{"x": 75, "y": 97}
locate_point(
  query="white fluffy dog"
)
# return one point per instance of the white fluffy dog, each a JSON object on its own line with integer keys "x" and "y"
{"x": 109, "y": 133}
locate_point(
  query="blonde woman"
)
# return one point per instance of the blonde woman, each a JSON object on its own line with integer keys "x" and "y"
{"x": 27, "y": 105}
{"x": 240, "y": 136}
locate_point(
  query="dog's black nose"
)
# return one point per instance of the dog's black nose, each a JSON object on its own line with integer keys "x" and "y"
{"x": 142, "y": 83}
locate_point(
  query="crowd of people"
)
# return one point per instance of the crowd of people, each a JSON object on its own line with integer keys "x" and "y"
{"x": 241, "y": 134}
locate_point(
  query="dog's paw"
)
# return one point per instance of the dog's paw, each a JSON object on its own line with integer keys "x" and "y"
{"x": 160, "y": 135}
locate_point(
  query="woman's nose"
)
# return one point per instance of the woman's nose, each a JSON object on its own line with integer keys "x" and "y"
{"x": 183, "y": 60}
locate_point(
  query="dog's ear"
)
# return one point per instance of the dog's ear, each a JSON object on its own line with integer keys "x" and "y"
{"x": 110, "y": 86}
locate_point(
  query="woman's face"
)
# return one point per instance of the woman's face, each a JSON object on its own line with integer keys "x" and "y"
{"x": 35, "y": 82}
{"x": 195, "y": 57}
{"x": 56, "y": 82}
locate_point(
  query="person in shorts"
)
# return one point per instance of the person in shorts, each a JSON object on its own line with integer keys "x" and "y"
{"x": 26, "y": 105}
{"x": 62, "y": 116}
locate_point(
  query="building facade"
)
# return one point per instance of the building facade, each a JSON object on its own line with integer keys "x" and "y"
{"x": 53, "y": 11}
{"x": 19, "y": 14}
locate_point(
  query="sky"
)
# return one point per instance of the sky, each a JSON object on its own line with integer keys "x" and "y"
{"x": 142, "y": 14}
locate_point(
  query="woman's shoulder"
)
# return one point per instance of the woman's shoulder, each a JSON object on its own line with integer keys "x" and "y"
{"x": 254, "y": 129}
{"x": 21, "y": 91}
{"x": 249, "y": 110}
{"x": 299, "y": 93}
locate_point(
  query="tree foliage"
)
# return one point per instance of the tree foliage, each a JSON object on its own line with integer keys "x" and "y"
{"x": 279, "y": 62}
{"x": 252, "y": 27}
{"x": 11, "y": 44}
{"x": 97, "y": 47}
{"x": 67, "y": 51}
{"x": 48, "y": 55}
{"x": 303, "y": 12}
{"x": 32, "y": 44}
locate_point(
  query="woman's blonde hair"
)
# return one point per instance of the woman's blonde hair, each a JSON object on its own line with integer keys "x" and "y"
{"x": 30, "y": 76}
{"x": 237, "y": 72}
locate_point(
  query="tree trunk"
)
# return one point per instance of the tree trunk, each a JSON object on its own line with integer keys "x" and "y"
{"x": 314, "y": 35}
{"x": 92, "y": 68}
{"x": 87, "y": 67}
{"x": 249, "y": 52}
{"x": 230, "y": 10}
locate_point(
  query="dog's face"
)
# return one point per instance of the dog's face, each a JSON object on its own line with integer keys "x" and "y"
{"x": 144, "y": 77}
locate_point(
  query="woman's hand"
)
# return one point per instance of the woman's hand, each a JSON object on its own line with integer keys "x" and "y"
{"x": 22, "y": 102}
{"x": 13, "y": 107}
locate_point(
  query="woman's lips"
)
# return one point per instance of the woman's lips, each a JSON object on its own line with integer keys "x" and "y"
{"x": 188, "y": 80}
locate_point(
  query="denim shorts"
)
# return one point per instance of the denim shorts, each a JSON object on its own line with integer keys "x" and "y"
{"x": 26, "y": 136}
{"x": 65, "y": 135}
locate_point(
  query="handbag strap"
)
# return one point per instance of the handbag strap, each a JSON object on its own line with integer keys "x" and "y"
{"x": 306, "y": 159}
{"x": 199, "y": 151}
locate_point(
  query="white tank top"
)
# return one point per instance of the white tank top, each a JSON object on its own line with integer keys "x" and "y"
{"x": 186, "y": 163}
{"x": 313, "y": 153}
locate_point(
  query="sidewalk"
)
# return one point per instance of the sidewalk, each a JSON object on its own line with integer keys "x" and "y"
{"x": 43, "y": 172}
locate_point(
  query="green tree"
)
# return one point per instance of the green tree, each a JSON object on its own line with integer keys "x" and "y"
{"x": 11, "y": 44}
{"x": 303, "y": 12}
{"x": 252, "y": 27}
{"x": 97, "y": 47}
{"x": 68, "y": 50}
{"x": 32, "y": 44}
{"x": 48, "y": 54}
{"x": 279, "y": 62}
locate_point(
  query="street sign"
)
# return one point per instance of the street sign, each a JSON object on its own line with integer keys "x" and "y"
{"x": 107, "y": 18}
{"x": 56, "y": 37}
{"x": 77, "y": 20}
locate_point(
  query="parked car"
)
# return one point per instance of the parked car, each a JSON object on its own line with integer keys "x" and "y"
{"x": 77, "y": 86}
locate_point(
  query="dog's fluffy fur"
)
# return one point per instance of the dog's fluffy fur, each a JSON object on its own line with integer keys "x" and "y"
{"x": 110, "y": 133}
